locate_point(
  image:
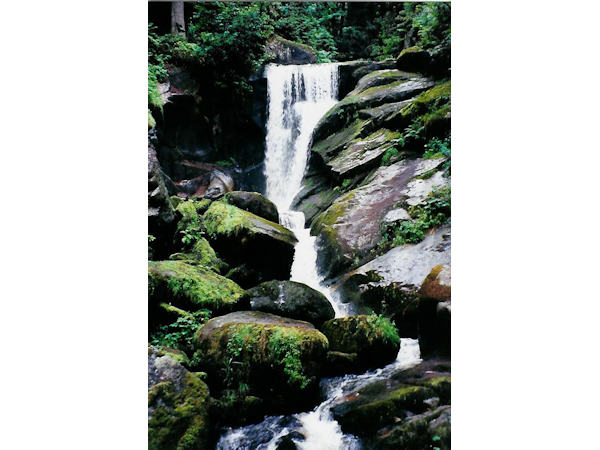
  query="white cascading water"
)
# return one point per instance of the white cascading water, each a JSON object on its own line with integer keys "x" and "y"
{"x": 298, "y": 96}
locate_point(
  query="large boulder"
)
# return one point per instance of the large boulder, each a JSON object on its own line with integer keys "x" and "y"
{"x": 291, "y": 299}
{"x": 177, "y": 405}
{"x": 253, "y": 202}
{"x": 276, "y": 358}
{"x": 391, "y": 404}
{"x": 283, "y": 51}
{"x": 350, "y": 227}
{"x": 350, "y": 72}
{"x": 413, "y": 59}
{"x": 190, "y": 287}
{"x": 373, "y": 339}
{"x": 241, "y": 237}
{"x": 390, "y": 283}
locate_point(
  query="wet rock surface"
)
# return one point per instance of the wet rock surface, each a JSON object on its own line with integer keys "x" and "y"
{"x": 290, "y": 299}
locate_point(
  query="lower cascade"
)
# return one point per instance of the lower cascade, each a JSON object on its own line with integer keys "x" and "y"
{"x": 298, "y": 96}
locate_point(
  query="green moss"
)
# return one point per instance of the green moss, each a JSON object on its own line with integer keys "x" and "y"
{"x": 378, "y": 89}
{"x": 331, "y": 215}
{"x": 154, "y": 97}
{"x": 190, "y": 286}
{"x": 222, "y": 219}
{"x": 413, "y": 49}
{"x": 202, "y": 253}
{"x": 151, "y": 121}
{"x": 428, "y": 100}
{"x": 249, "y": 346}
{"x": 179, "y": 418}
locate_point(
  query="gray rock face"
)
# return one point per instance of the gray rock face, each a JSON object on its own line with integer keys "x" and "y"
{"x": 162, "y": 367}
{"x": 291, "y": 299}
{"x": 349, "y": 228}
{"x": 220, "y": 183}
{"x": 380, "y": 78}
{"x": 288, "y": 52}
{"x": 410, "y": 264}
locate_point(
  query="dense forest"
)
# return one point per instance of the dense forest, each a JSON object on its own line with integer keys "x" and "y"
{"x": 299, "y": 209}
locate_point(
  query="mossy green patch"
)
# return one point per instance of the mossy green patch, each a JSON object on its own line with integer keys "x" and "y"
{"x": 191, "y": 287}
{"x": 178, "y": 417}
{"x": 151, "y": 121}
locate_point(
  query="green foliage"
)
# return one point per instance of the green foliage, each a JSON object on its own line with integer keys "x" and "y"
{"x": 180, "y": 334}
{"x": 427, "y": 24}
{"x": 389, "y": 155}
{"x": 154, "y": 97}
{"x": 283, "y": 345}
{"x": 346, "y": 183}
{"x": 436, "y": 148}
{"x": 384, "y": 326}
{"x": 432, "y": 212}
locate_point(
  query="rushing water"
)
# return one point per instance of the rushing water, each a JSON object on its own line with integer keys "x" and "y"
{"x": 298, "y": 96}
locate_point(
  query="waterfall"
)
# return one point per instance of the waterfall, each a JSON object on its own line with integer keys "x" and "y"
{"x": 298, "y": 96}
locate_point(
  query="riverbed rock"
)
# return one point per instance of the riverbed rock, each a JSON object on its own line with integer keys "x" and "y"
{"x": 277, "y": 358}
{"x": 253, "y": 202}
{"x": 350, "y": 72}
{"x": 373, "y": 339}
{"x": 391, "y": 282}
{"x": 291, "y": 299}
{"x": 386, "y": 407}
{"x": 376, "y": 405}
{"x": 177, "y": 405}
{"x": 190, "y": 287}
{"x": 350, "y": 227}
{"x": 240, "y": 237}
{"x": 284, "y": 51}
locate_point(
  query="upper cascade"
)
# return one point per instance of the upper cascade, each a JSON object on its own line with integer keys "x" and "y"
{"x": 298, "y": 96}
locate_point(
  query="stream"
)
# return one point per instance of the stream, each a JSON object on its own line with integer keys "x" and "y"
{"x": 298, "y": 96}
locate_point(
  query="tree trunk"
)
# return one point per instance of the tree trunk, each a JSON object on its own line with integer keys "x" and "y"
{"x": 177, "y": 18}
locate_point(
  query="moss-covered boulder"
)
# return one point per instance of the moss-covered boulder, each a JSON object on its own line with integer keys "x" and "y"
{"x": 290, "y": 299}
{"x": 275, "y": 358}
{"x": 430, "y": 429}
{"x": 177, "y": 405}
{"x": 253, "y": 202}
{"x": 201, "y": 253}
{"x": 413, "y": 59}
{"x": 376, "y": 405}
{"x": 241, "y": 237}
{"x": 190, "y": 287}
{"x": 374, "y": 339}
